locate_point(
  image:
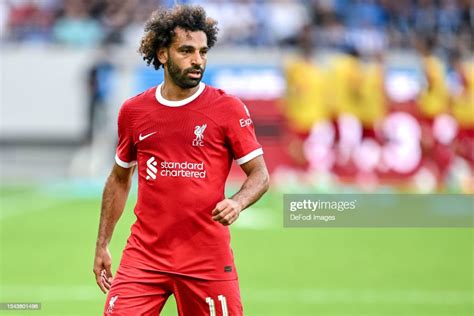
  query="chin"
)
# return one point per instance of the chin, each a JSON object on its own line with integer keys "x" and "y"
{"x": 190, "y": 83}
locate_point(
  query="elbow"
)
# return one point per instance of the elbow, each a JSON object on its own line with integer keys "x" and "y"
{"x": 120, "y": 181}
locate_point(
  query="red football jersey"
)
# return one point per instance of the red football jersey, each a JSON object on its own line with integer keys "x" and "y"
{"x": 184, "y": 151}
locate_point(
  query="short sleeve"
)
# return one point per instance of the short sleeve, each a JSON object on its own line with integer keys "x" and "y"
{"x": 240, "y": 133}
{"x": 126, "y": 154}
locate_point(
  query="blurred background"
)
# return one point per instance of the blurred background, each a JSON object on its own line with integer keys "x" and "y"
{"x": 346, "y": 97}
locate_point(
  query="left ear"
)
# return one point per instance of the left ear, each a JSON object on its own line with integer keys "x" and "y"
{"x": 162, "y": 55}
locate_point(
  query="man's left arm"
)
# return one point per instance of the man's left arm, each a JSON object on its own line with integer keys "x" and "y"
{"x": 227, "y": 211}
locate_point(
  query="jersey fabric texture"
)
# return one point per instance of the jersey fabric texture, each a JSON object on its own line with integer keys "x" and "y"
{"x": 183, "y": 151}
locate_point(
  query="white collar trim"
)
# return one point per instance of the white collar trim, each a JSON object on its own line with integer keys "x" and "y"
{"x": 163, "y": 101}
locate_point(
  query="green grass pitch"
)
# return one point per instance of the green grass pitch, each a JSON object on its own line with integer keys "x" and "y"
{"x": 48, "y": 239}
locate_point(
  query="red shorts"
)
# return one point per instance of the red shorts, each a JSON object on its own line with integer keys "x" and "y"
{"x": 138, "y": 292}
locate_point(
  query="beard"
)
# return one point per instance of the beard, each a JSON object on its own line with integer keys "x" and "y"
{"x": 181, "y": 78}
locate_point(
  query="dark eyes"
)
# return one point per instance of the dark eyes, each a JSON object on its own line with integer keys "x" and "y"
{"x": 189, "y": 51}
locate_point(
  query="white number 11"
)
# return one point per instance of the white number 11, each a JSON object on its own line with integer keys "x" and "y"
{"x": 212, "y": 306}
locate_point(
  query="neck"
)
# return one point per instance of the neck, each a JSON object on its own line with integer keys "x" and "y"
{"x": 172, "y": 92}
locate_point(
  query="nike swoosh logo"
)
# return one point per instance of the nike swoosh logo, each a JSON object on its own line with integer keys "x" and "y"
{"x": 140, "y": 137}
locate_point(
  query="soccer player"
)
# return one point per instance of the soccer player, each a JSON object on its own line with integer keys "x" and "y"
{"x": 181, "y": 136}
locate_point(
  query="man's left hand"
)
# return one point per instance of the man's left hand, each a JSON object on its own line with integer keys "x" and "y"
{"x": 226, "y": 212}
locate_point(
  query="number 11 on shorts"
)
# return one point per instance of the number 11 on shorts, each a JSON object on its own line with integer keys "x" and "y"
{"x": 212, "y": 306}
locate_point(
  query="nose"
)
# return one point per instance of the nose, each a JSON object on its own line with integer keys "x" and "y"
{"x": 197, "y": 59}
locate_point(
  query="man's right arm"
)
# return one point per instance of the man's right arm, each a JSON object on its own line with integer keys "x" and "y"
{"x": 114, "y": 198}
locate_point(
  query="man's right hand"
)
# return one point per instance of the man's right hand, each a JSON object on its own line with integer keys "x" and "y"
{"x": 102, "y": 268}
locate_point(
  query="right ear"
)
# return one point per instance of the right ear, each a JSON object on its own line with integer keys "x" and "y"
{"x": 162, "y": 55}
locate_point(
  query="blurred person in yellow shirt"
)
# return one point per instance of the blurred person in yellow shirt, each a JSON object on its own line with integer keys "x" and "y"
{"x": 432, "y": 102}
{"x": 305, "y": 101}
{"x": 346, "y": 79}
{"x": 462, "y": 108}
{"x": 372, "y": 106}
{"x": 462, "y": 92}
{"x": 433, "y": 99}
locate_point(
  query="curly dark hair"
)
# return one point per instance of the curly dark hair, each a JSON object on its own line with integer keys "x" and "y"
{"x": 159, "y": 29}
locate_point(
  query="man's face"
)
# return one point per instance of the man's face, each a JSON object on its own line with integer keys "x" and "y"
{"x": 186, "y": 58}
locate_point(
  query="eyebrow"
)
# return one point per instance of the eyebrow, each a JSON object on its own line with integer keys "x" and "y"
{"x": 191, "y": 47}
